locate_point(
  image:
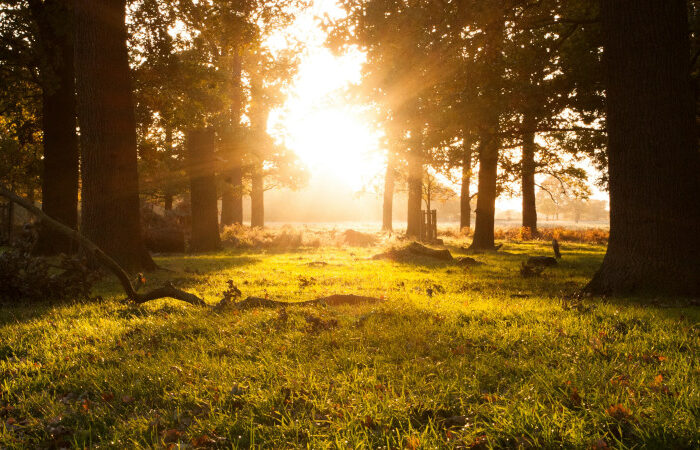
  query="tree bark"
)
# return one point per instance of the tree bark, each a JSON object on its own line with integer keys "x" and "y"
{"x": 59, "y": 180}
{"x": 110, "y": 191}
{"x": 257, "y": 200}
{"x": 465, "y": 217}
{"x": 415, "y": 190}
{"x": 654, "y": 163}
{"x": 389, "y": 182}
{"x": 232, "y": 196}
{"x": 486, "y": 199}
{"x": 528, "y": 169}
{"x": 203, "y": 198}
{"x": 489, "y": 143}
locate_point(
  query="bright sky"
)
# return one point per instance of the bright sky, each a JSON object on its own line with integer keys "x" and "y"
{"x": 334, "y": 138}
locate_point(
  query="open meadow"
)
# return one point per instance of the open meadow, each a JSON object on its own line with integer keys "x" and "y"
{"x": 452, "y": 356}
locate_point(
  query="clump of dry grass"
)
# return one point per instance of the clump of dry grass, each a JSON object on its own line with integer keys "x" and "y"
{"x": 581, "y": 235}
{"x": 520, "y": 234}
{"x": 289, "y": 237}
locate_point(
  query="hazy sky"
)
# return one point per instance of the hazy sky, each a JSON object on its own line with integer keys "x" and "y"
{"x": 337, "y": 140}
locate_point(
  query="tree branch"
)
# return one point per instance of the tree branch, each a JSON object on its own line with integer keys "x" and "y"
{"x": 105, "y": 260}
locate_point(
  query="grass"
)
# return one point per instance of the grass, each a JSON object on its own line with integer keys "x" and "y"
{"x": 491, "y": 359}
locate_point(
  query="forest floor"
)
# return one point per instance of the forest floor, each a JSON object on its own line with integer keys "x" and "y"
{"x": 455, "y": 357}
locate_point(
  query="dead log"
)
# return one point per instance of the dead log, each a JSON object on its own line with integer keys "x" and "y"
{"x": 468, "y": 261}
{"x": 544, "y": 261}
{"x": 418, "y": 249}
{"x": 167, "y": 291}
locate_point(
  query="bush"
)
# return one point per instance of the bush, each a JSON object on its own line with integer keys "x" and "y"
{"x": 288, "y": 237}
{"x": 583, "y": 235}
{"x": 26, "y": 278}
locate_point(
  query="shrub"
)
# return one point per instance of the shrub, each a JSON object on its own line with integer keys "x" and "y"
{"x": 287, "y": 237}
{"x": 26, "y": 278}
{"x": 583, "y": 235}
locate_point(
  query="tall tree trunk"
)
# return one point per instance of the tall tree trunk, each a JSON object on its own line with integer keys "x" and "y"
{"x": 257, "y": 201}
{"x": 415, "y": 188}
{"x": 389, "y": 182}
{"x": 489, "y": 143}
{"x": 652, "y": 151}
{"x": 201, "y": 162}
{"x": 59, "y": 180}
{"x": 232, "y": 196}
{"x": 110, "y": 197}
{"x": 528, "y": 169}
{"x": 486, "y": 198}
{"x": 465, "y": 216}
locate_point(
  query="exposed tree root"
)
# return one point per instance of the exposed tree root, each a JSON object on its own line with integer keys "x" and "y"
{"x": 168, "y": 290}
{"x": 332, "y": 300}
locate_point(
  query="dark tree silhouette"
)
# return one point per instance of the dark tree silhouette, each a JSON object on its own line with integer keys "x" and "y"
{"x": 205, "y": 216}
{"x": 465, "y": 216}
{"x": 257, "y": 196}
{"x": 654, "y": 164}
{"x": 528, "y": 168}
{"x": 110, "y": 188}
{"x": 415, "y": 186}
{"x": 389, "y": 186}
{"x": 232, "y": 195}
{"x": 53, "y": 21}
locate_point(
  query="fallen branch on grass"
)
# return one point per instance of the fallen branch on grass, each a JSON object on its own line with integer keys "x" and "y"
{"x": 166, "y": 291}
{"x": 331, "y": 300}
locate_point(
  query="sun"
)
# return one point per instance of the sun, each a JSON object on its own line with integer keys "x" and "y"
{"x": 336, "y": 138}
{"x": 335, "y": 143}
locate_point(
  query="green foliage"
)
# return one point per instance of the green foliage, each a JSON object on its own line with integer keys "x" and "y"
{"x": 489, "y": 358}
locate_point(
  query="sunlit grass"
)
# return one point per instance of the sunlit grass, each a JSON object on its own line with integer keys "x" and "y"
{"x": 489, "y": 359}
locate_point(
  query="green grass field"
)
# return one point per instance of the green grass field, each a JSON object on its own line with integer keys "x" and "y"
{"x": 489, "y": 360}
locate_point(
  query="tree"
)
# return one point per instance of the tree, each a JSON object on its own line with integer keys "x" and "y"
{"x": 59, "y": 181}
{"x": 489, "y": 127}
{"x": 203, "y": 199}
{"x": 653, "y": 153}
{"x": 110, "y": 194}
{"x": 37, "y": 36}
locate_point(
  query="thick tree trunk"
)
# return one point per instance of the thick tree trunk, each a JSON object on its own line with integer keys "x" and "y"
{"x": 465, "y": 217}
{"x": 257, "y": 200}
{"x": 528, "y": 169}
{"x": 110, "y": 193}
{"x": 415, "y": 190}
{"x": 489, "y": 143}
{"x": 653, "y": 155}
{"x": 59, "y": 181}
{"x": 232, "y": 196}
{"x": 389, "y": 182}
{"x": 486, "y": 199}
{"x": 203, "y": 198}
